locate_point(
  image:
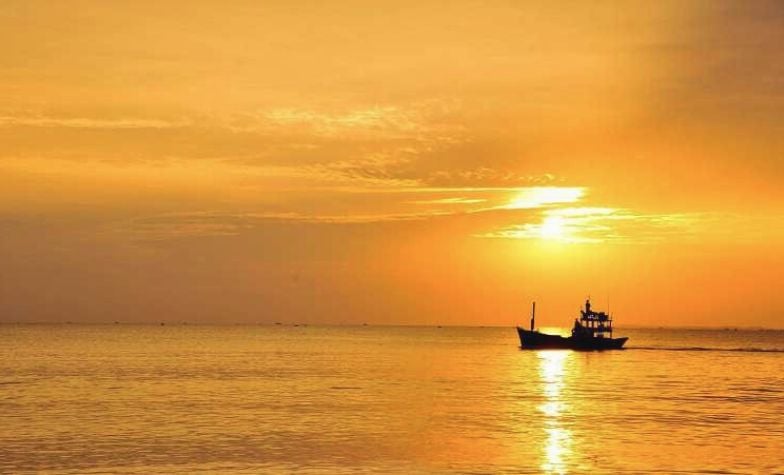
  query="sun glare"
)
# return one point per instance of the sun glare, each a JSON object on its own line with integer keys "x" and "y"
{"x": 557, "y": 447}
{"x": 553, "y": 228}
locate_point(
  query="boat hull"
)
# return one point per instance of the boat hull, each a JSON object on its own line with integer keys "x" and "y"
{"x": 535, "y": 340}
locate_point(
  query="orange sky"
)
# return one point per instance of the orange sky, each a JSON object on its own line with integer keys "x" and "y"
{"x": 401, "y": 162}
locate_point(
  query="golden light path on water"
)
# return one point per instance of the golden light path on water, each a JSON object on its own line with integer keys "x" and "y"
{"x": 558, "y": 440}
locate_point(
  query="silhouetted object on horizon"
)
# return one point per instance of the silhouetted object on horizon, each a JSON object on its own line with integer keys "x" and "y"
{"x": 592, "y": 331}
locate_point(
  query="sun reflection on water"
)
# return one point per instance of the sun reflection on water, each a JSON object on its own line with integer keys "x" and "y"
{"x": 558, "y": 440}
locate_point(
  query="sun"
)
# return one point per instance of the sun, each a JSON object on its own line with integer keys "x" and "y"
{"x": 553, "y": 228}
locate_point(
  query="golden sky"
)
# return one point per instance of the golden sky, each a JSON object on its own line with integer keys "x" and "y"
{"x": 392, "y": 162}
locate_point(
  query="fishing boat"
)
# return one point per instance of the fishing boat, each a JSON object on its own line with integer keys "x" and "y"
{"x": 592, "y": 331}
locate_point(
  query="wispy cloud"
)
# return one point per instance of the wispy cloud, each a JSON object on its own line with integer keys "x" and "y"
{"x": 88, "y": 123}
{"x": 594, "y": 225}
{"x": 537, "y": 196}
{"x": 469, "y": 203}
{"x": 451, "y": 201}
{"x": 371, "y": 118}
{"x": 205, "y": 224}
{"x": 488, "y": 176}
{"x": 375, "y": 170}
{"x": 420, "y": 121}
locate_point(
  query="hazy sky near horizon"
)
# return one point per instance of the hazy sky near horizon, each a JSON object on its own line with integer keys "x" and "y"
{"x": 392, "y": 162}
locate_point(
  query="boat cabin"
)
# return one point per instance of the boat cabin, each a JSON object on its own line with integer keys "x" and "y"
{"x": 592, "y": 324}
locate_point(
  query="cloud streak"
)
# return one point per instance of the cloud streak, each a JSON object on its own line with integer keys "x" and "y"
{"x": 89, "y": 122}
{"x": 210, "y": 224}
{"x": 597, "y": 225}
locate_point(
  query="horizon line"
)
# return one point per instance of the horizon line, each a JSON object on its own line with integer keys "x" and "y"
{"x": 398, "y": 325}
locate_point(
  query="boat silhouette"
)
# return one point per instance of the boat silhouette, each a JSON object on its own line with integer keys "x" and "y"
{"x": 592, "y": 331}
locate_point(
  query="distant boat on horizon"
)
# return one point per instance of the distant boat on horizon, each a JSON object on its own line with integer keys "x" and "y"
{"x": 592, "y": 331}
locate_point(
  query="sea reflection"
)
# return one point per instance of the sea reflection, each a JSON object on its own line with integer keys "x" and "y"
{"x": 557, "y": 448}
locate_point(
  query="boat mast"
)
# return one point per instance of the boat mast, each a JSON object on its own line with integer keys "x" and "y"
{"x": 533, "y": 315}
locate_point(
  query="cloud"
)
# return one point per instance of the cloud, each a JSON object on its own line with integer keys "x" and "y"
{"x": 205, "y": 224}
{"x": 362, "y": 202}
{"x": 376, "y": 118}
{"x": 595, "y": 225}
{"x": 451, "y": 201}
{"x": 88, "y": 122}
{"x": 538, "y": 196}
{"x": 421, "y": 121}
{"x": 488, "y": 176}
{"x": 376, "y": 170}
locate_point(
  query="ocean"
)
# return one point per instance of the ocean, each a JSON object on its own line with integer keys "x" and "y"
{"x": 147, "y": 399}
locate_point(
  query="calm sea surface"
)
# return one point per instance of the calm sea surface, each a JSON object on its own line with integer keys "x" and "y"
{"x": 281, "y": 399}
